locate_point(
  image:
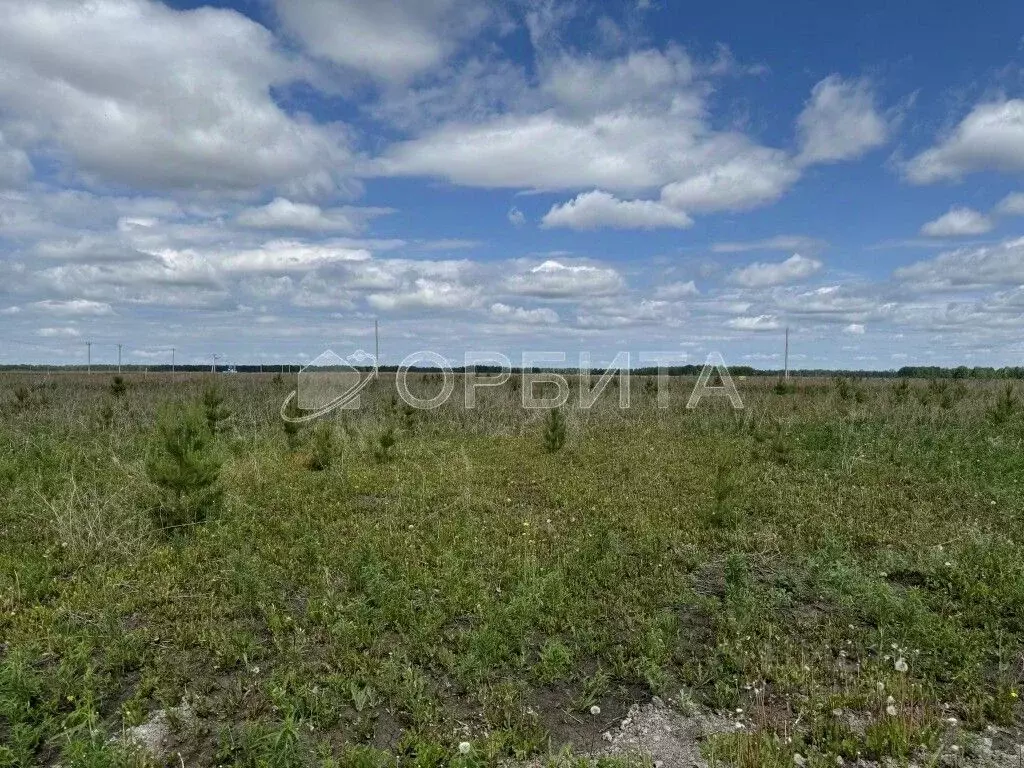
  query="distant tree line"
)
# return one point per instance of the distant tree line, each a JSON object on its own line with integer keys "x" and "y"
{"x": 907, "y": 371}
{"x": 960, "y": 372}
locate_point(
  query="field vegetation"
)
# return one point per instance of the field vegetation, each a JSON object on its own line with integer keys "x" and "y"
{"x": 837, "y": 570}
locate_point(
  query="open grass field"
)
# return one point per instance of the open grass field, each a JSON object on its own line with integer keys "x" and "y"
{"x": 836, "y": 573}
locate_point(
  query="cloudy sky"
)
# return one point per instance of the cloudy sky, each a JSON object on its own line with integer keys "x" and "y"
{"x": 262, "y": 179}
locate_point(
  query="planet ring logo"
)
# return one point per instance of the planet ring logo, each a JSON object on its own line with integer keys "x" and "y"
{"x": 329, "y": 382}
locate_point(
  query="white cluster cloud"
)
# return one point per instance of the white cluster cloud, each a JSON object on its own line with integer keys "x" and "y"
{"x": 592, "y": 210}
{"x": 179, "y": 261}
{"x": 676, "y": 291}
{"x": 989, "y": 138}
{"x": 620, "y": 313}
{"x": 626, "y": 152}
{"x": 134, "y": 92}
{"x": 427, "y": 293}
{"x": 635, "y": 124}
{"x": 553, "y": 279}
{"x": 588, "y": 85}
{"x": 756, "y": 323}
{"x": 542, "y": 151}
{"x": 766, "y": 274}
{"x": 283, "y": 256}
{"x": 66, "y": 331}
{"x": 751, "y": 177}
{"x": 840, "y": 122}
{"x": 536, "y": 316}
{"x": 856, "y": 303}
{"x": 957, "y": 222}
{"x": 1012, "y": 204}
{"x": 339, "y": 274}
{"x": 73, "y": 307}
{"x": 284, "y": 214}
{"x": 390, "y": 41}
{"x": 991, "y": 265}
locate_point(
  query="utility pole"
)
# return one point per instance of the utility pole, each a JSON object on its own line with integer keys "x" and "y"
{"x": 118, "y": 358}
{"x": 88, "y": 356}
{"x": 787, "y": 353}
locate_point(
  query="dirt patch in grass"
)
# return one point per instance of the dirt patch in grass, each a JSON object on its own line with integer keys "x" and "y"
{"x": 697, "y": 627}
{"x": 651, "y": 731}
{"x": 582, "y": 730}
{"x": 387, "y": 730}
{"x": 907, "y": 578}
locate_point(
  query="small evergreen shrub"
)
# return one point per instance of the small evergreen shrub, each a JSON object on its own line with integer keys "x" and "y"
{"x": 184, "y": 464}
{"x": 383, "y": 451}
{"x": 784, "y": 387}
{"x": 554, "y": 430}
{"x": 216, "y": 412}
{"x": 21, "y": 397}
{"x": 118, "y": 387}
{"x": 844, "y": 388}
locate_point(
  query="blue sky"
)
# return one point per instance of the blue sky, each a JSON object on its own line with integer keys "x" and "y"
{"x": 263, "y": 179}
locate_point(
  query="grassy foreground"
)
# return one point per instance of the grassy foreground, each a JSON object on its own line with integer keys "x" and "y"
{"x": 841, "y": 560}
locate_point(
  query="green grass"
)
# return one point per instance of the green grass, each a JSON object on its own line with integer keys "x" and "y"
{"x": 352, "y": 604}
